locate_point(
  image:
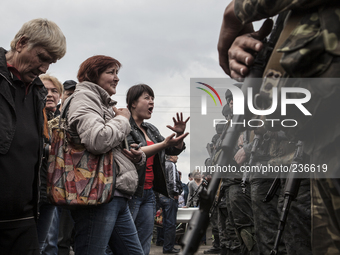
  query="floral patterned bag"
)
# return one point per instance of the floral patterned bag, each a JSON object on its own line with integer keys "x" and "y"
{"x": 75, "y": 176}
{"x": 159, "y": 218}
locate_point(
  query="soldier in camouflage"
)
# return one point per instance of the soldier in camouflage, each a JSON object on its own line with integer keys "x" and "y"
{"x": 216, "y": 248}
{"x": 266, "y": 215}
{"x": 235, "y": 211}
{"x": 311, "y": 49}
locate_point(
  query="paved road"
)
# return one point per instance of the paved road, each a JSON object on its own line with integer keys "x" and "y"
{"x": 157, "y": 250}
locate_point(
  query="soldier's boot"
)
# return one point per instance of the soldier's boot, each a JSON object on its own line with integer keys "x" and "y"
{"x": 213, "y": 250}
{"x": 216, "y": 249}
{"x": 235, "y": 252}
{"x": 248, "y": 238}
{"x": 224, "y": 250}
{"x": 227, "y": 251}
{"x": 216, "y": 242}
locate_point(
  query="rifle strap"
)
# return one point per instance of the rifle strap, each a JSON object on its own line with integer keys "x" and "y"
{"x": 274, "y": 61}
{"x": 219, "y": 189}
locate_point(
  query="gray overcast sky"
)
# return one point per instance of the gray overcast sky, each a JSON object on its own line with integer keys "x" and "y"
{"x": 162, "y": 43}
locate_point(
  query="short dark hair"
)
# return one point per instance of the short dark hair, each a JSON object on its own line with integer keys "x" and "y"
{"x": 69, "y": 85}
{"x": 190, "y": 175}
{"x": 135, "y": 92}
{"x": 94, "y": 66}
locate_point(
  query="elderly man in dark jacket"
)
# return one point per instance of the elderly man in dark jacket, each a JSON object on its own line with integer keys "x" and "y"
{"x": 22, "y": 98}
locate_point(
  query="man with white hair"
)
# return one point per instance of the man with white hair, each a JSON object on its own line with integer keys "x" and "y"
{"x": 38, "y": 44}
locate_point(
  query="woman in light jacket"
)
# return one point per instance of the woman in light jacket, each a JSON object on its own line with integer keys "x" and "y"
{"x": 101, "y": 127}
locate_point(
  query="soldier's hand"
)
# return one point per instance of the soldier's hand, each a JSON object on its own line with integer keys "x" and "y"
{"x": 240, "y": 156}
{"x": 243, "y": 51}
{"x": 260, "y": 130}
{"x": 230, "y": 29}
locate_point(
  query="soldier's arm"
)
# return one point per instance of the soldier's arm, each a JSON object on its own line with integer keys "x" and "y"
{"x": 238, "y": 43}
{"x": 230, "y": 29}
{"x": 248, "y": 10}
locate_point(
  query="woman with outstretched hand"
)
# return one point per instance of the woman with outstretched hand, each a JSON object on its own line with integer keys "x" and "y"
{"x": 151, "y": 176}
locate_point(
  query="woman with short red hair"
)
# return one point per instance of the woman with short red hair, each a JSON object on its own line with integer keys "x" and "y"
{"x": 100, "y": 127}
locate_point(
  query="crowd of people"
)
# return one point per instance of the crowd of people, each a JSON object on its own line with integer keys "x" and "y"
{"x": 244, "y": 218}
{"x": 29, "y": 223}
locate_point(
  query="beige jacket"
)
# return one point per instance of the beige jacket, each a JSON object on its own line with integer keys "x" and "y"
{"x": 90, "y": 115}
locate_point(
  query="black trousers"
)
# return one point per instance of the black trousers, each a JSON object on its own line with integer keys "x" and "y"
{"x": 19, "y": 240}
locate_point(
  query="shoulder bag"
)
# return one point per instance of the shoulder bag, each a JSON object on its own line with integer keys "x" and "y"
{"x": 75, "y": 176}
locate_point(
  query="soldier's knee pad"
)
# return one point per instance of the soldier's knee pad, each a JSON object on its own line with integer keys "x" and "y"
{"x": 247, "y": 237}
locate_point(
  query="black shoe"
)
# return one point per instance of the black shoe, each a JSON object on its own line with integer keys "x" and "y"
{"x": 213, "y": 250}
{"x": 174, "y": 250}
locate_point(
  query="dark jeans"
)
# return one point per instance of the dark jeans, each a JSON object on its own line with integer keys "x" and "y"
{"x": 160, "y": 236}
{"x": 48, "y": 229}
{"x": 143, "y": 211}
{"x": 170, "y": 208}
{"x": 66, "y": 232}
{"x": 95, "y": 225}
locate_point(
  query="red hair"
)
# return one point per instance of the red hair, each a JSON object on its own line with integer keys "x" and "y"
{"x": 93, "y": 67}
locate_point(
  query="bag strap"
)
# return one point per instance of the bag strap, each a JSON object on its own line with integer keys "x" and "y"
{"x": 71, "y": 137}
{"x": 65, "y": 110}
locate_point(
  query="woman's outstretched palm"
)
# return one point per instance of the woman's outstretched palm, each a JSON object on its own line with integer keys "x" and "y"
{"x": 179, "y": 124}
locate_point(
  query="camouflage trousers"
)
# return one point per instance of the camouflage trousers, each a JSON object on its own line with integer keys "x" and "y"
{"x": 214, "y": 227}
{"x": 266, "y": 216}
{"x": 325, "y": 217}
{"x": 297, "y": 232}
{"x": 228, "y": 237}
{"x": 240, "y": 206}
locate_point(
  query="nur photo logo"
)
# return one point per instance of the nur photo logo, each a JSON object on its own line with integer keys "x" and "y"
{"x": 204, "y": 97}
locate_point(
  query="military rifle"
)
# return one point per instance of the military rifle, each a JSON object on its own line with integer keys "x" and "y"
{"x": 202, "y": 186}
{"x": 290, "y": 193}
{"x": 200, "y": 219}
{"x": 218, "y": 199}
{"x": 276, "y": 183}
{"x": 245, "y": 175}
{"x": 272, "y": 190}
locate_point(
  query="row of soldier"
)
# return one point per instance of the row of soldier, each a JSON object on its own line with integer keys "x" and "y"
{"x": 242, "y": 221}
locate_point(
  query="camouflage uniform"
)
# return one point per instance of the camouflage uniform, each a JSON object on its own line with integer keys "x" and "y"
{"x": 265, "y": 215}
{"x": 236, "y": 213}
{"x": 214, "y": 227}
{"x": 215, "y": 249}
{"x": 312, "y": 50}
{"x": 297, "y": 232}
{"x": 296, "y": 236}
{"x": 241, "y": 209}
{"x": 228, "y": 238}
{"x": 229, "y": 241}
{"x": 326, "y": 224}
